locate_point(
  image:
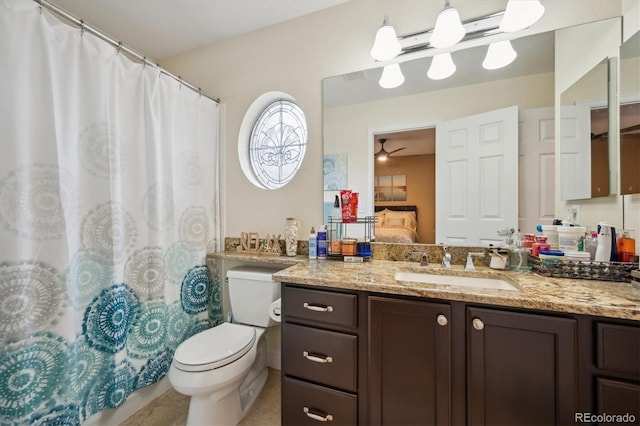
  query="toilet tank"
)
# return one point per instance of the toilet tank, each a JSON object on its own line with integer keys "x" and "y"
{"x": 251, "y": 292}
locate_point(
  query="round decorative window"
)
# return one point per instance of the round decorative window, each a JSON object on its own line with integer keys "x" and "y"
{"x": 277, "y": 143}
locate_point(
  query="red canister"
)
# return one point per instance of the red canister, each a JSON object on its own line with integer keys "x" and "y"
{"x": 539, "y": 244}
{"x": 529, "y": 239}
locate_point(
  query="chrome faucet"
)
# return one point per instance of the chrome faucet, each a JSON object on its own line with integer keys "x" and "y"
{"x": 424, "y": 259}
{"x": 446, "y": 258}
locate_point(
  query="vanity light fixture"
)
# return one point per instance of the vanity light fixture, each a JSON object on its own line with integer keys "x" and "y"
{"x": 391, "y": 76}
{"x": 521, "y": 14}
{"x": 386, "y": 45}
{"x": 499, "y": 54}
{"x": 442, "y": 66}
{"x": 448, "y": 29}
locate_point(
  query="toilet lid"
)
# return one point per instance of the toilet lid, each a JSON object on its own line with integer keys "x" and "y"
{"x": 215, "y": 347}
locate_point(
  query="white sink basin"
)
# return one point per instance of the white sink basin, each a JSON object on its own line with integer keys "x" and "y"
{"x": 488, "y": 283}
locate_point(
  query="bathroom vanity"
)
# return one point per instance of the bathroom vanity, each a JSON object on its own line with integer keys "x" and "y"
{"x": 361, "y": 347}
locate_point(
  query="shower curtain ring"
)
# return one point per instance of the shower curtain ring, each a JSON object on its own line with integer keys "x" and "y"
{"x": 81, "y": 28}
{"x": 118, "y": 48}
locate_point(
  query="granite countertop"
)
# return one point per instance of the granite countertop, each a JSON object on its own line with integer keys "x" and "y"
{"x": 598, "y": 298}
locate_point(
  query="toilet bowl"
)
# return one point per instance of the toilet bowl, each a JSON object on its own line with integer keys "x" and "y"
{"x": 223, "y": 369}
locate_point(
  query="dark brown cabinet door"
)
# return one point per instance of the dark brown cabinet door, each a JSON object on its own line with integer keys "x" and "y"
{"x": 410, "y": 362}
{"x": 522, "y": 369}
{"x": 618, "y": 363}
{"x": 619, "y": 400}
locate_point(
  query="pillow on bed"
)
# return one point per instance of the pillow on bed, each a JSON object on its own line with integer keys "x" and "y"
{"x": 409, "y": 219}
{"x": 394, "y": 222}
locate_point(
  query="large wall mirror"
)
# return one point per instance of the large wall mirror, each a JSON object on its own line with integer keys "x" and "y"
{"x": 358, "y": 113}
{"x": 630, "y": 116}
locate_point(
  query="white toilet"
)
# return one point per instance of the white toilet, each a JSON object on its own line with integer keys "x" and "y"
{"x": 224, "y": 368}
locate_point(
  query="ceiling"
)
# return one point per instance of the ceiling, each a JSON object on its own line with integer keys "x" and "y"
{"x": 161, "y": 28}
{"x": 412, "y": 142}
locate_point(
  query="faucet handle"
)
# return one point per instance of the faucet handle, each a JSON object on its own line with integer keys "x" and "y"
{"x": 469, "y": 265}
{"x": 424, "y": 259}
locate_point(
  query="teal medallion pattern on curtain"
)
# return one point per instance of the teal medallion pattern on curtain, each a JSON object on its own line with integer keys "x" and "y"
{"x": 108, "y": 206}
{"x": 107, "y": 321}
{"x": 194, "y": 293}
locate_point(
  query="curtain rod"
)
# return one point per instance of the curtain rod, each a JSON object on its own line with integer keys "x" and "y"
{"x": 119, "y": 46}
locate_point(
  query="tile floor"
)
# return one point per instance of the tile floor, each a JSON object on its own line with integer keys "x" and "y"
{"x": 170, "y": 408}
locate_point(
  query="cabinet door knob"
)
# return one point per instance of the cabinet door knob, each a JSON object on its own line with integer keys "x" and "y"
{"x": 478, "y": 324}
{"x": 318, "y": 415}
{"x": 442, "y": 320}
{"x": 321, "y": 358}
{"x": 317, "y": 308}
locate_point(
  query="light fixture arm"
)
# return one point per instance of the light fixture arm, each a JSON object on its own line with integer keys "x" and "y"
{"x": 476, "y": 28}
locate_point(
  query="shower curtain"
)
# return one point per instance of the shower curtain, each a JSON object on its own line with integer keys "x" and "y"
{"x": 108, "y": 206}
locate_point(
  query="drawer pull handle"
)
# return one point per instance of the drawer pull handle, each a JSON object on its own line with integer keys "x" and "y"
{"x": 477, "y": 324}
{"x": 318, "y": 415}
{"x": 318, "y": 308}
{"x": 323, "y": 359}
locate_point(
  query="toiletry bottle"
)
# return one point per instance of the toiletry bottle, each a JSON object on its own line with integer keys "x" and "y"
{"x": 322, "y": 242}
{"x": 626, "y": 246}
{"x": 591, "y": 245}
{"x": 519, "y": 255}
{"x": 540, "y": 244}
{"x": 313, "y": 244}
{"x": 336, "y": 213}
{"x": 291, "y": 236}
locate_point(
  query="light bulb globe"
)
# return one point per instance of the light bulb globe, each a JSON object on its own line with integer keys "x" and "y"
{"x": 442, "y": 66}
{"x": 448, "y": 29}
{"x": 386, "y": 45}
{"x": 392, "y": 76}
{"x": 521, "y": 14}
{"x": 499, "y": 54}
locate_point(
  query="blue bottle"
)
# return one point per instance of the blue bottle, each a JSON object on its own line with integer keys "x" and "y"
{"x": 313, "y": 244}
{"x": 322, "y": 242}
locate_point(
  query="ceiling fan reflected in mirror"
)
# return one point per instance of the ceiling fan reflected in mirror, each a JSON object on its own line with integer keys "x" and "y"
{"x": 383, "y": 154}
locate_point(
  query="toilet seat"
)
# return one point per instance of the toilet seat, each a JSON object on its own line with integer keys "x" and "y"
{"x": 215, "y": 347}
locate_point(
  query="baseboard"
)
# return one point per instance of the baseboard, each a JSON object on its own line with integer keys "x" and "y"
{"x": 136, "y": 401}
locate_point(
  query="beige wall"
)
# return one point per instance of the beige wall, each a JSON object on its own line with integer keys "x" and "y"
{"x": 294, "y": 57}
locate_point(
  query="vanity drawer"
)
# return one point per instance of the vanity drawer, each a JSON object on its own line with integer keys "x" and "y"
{"x": 309, "y": 404}
{"x": 618, "y": 348}
{"x": 321, "y": 356}
{"x": 323, "y": 307}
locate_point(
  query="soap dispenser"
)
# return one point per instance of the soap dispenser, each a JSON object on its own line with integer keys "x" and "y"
{"x": 519, "y": 256}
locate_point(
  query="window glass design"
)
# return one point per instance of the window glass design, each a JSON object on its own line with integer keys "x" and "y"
{"x": 278, "y": 143}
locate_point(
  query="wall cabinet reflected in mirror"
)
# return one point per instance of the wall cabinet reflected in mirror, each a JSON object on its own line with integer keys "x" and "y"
{"x": 584, "y": 129}
{"x": 630, "y": 116}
